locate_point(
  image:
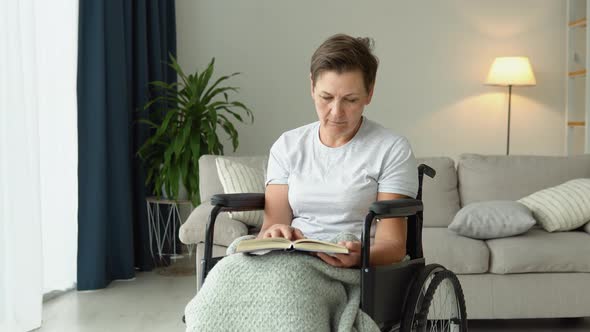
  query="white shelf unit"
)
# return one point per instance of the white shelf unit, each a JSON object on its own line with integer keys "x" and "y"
{"x": 577, "y": 119}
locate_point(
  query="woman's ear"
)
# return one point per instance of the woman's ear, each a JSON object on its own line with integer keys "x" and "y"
{"x": 311, "y": 84}
{"x": 370, "y": 96}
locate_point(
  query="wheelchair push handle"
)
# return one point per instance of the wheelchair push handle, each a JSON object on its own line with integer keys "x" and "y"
{"x": 425, "y": 169}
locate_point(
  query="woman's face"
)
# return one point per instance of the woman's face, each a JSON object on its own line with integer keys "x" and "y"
{"x": 339, "y": 101}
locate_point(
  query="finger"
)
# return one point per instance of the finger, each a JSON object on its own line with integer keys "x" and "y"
{"x": 346, "y": 260}
{"x": 299, "y": 234}
{"x": 329, "y": 259}
{"x": 287, "y": 232}
{"x": 267, "y": 234}
{"x": 341, "y": 257}
{"x": 354, "y": 246}
{"x": 324, "y": 257}
{"x": 276, "y": 233}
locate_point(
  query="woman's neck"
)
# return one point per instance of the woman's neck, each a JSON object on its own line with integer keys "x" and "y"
{"x": 335, "y": 141}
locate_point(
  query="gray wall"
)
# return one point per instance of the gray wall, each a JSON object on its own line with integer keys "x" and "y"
{"x": 434, "y": 57}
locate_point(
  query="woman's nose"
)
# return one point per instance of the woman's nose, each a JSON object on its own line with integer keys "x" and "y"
{"x": 336, "y": 106}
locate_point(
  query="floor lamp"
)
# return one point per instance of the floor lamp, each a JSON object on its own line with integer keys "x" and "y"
{"x": 511, "y": 71}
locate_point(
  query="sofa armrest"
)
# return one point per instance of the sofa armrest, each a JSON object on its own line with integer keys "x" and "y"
{"x": 226, "y": 229}
{"x": 586, "y": 227}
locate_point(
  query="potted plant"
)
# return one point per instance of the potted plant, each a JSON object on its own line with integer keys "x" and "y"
{"x": 184, "y": 117}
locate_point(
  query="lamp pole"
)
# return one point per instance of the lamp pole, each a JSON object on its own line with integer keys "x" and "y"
{"x": 508, "y": 133}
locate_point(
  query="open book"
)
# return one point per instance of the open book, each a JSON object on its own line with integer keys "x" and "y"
{"x": 263, "y": 246}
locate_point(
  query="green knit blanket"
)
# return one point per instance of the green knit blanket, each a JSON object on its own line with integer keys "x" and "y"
{"x": 279, "y": 291}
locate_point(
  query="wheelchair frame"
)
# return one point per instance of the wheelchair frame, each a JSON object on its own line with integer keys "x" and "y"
{"x": 385, "y": 290}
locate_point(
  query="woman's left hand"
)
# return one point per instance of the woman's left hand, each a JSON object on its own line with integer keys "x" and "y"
{"x": 352, "y": 259}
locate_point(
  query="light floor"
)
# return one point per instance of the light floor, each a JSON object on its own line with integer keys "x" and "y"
{"x": 150, "y": 302}
{"x": 153, "y": 302}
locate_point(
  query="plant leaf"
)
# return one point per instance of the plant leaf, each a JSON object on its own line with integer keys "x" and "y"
{"x": 219, "y": 80}
{"x": 195, "y": 146}
{"x": 174, "y": 64}
{"x": 208, "y": 98}
{"x": 234, "y": 114}
{"x": 242, "y": 106}
{"x": 205, "y": 77}
{"x": 148, "y": 122}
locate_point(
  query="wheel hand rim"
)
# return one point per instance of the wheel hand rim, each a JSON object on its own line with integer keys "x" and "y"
{"x": 443, "y": 304}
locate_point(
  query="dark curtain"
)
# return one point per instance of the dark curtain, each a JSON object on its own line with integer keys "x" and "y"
{"x": 123, "y": 45}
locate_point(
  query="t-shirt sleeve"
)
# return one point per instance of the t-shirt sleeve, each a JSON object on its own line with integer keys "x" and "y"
{"x": 277, "y": 171}
{"x": 399, "y": 170}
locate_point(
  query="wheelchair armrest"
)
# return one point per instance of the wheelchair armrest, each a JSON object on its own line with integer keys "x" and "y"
{"x": 226, "y": 203}
{"x": 396, "y": 208}
{"x": 239, "y": 202}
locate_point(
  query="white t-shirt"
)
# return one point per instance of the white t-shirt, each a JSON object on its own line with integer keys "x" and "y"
{"x": 331, "y": 189}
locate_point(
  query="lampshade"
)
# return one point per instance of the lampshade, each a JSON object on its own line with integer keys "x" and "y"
{"x": 511, "y": 71}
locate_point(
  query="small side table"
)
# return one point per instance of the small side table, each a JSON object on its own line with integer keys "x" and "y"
{"x": 164, "y": 229}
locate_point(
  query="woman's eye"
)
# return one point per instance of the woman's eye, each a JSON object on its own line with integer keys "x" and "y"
{"x": 326, "y": 98}
{"x": 351, "y": 100}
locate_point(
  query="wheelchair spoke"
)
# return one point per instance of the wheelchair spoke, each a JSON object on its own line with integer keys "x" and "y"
{"x": 438, "y": 304}
{"x": 443, "y": 309}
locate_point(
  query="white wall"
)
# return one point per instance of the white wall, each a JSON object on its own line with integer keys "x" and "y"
{"x": 434, "y": 57}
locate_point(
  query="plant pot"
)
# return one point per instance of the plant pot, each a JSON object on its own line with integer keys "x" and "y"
{"x": 182, "y": 192}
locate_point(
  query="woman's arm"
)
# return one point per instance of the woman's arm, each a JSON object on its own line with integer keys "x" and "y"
{"x": 390, "y": 237}
{"x": 278, "y": 214}
{"x": 389, "y": 246}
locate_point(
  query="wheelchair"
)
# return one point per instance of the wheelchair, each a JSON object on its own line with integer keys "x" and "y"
{"x": 406, "y": 296}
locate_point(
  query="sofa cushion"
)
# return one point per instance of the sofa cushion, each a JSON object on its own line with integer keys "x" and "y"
{"x": 226, "y": 229}
{"x": 209, "y": 183}
{"x": 237, "y": 178}
{"x": 457, "y": 253}
{"x": 488, "y": 178}
{"x": 563, "y": 207}
{"x": 492, "y": 219}
{"x": 440, "y": 195}
{"x": 540, "y": 251}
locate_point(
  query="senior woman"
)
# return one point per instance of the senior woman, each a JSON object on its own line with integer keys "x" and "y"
{"x": 321, "y": 179}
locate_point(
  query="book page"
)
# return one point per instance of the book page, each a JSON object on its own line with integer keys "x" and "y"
{"x": 320, "y": 246}
{"x": 316, "y": 241}
{"x": 262, "y": 244}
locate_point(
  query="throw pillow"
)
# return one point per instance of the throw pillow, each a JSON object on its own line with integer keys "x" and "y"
{"x": 563, "y": 207}
{"x": 492, "y": 219}
{"x": 237, "y": 178}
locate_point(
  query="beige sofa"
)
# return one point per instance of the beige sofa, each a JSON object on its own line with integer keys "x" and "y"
{"x": 533, "y": 275}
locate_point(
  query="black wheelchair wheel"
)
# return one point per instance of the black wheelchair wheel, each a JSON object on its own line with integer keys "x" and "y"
{"x": 435, "y": 302}
{"x": 443, "y": 308}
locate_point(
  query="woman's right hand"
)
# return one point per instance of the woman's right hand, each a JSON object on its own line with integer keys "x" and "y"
{"x": 282, "y": 230}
